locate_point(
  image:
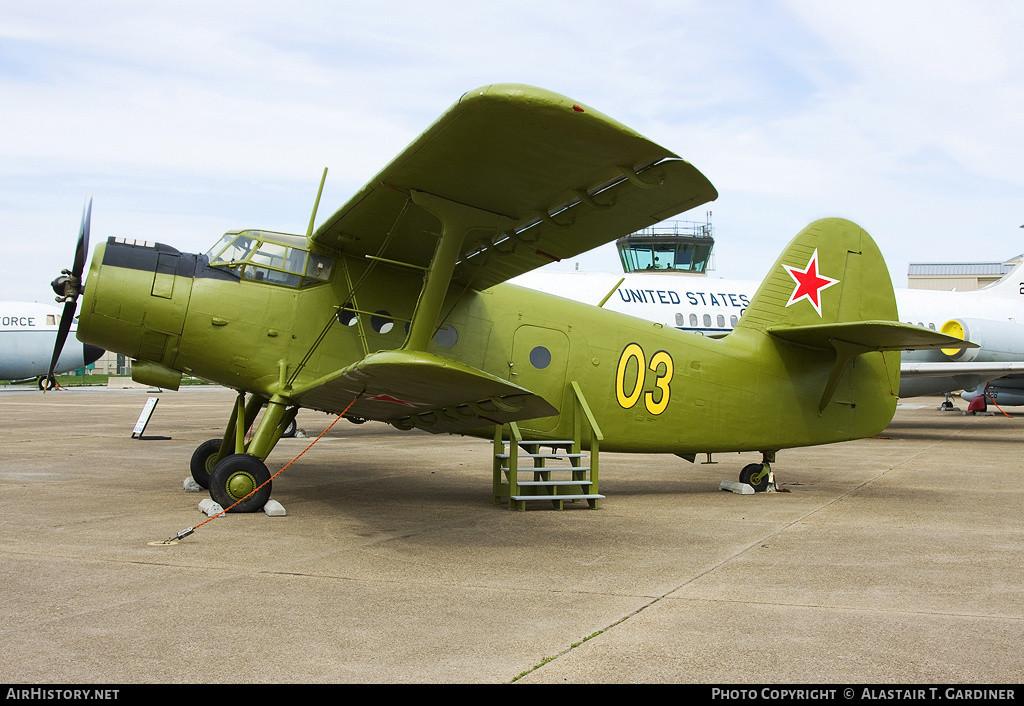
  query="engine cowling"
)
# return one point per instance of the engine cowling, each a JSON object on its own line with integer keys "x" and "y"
{"x": 999, "y": 341}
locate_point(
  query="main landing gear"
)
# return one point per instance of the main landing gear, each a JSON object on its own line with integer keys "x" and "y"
{"x": 230, "y": 468}
{"x": 759, "y": 475}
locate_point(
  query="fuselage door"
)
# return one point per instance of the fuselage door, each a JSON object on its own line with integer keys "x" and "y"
{"x": 539, "y": 360}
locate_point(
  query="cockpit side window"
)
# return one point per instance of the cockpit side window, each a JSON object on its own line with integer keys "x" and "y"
{"x": 318, "y": 268}
{"x": 269, "y": 254}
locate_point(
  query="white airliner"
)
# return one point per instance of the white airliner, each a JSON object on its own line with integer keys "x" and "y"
{"x": 988, "y": 317}
{"x": 27, "y": 334}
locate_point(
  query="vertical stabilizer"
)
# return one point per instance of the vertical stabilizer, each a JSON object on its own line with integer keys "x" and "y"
{"x": 1010, "y": 286}
{"x": 831, "y": 272}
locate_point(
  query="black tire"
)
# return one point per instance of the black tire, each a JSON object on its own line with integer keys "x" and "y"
{"x": 289, "y": 431}
{"x": 235, "y": 477}
{"x": 202, "y": 463}
{"x": 749, "y": 472}
{"x": 47, "y": 382}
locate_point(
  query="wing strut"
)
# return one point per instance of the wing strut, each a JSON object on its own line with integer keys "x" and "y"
{"x": 456, "y": 221}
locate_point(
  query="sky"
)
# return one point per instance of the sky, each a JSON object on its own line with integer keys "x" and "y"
{"x": 182, "y": 120}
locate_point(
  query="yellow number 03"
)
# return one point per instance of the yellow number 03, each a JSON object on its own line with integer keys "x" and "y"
{"x": 661, "y": 365}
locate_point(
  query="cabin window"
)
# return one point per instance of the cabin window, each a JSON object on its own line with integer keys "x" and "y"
{"x": 693, "y": 320}
{"x": 680, "y": 321}
{"x": 346, "y": 315}
{"x": 721, "y": 321}
{"x": 707, "y": 320}
{"x": 446, "y": 336}
{"x": 381, "y": 322}
{"x": 732, "y": 320}
{"x": 540, "y": 357}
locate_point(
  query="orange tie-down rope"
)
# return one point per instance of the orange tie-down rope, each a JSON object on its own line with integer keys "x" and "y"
{"x": 186, "y": 532}
{"x": 988, "y": 395}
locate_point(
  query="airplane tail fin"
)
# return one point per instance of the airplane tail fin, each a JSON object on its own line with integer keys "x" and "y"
{"x": 1011, "y": 285}
{"x": 829, "y": 300}
{"x": 832, "y": 271}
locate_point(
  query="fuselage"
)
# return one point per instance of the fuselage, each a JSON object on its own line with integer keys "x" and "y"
{"x": 652, "y": 387}
{"x": 28, "y": 331}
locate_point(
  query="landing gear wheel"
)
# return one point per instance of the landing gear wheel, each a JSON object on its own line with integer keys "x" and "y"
{"x": 47, "y": 382}
{"x": 750, "y": 471}
{"x": 235, "y": 477}
{"x": 203, "y": 462}
{"x": 289, "y": 431}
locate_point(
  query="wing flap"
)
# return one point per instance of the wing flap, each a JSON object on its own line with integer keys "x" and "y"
{"x": 416, "y": 389}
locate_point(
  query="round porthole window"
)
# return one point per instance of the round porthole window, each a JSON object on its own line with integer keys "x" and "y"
{"x": 446, "y": 336}
{"x": 382, "y": 322}
{"x": 540, "y": 357}
{"x": 346, "y": 316}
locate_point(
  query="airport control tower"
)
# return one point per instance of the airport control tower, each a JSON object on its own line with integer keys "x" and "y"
{"x": 670, "y": 246}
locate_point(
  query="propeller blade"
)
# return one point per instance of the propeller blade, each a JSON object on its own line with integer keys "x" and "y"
{"x": 82, "y": 251}
{"x": 69, "y": 286}
{"x": 66, "y": 318}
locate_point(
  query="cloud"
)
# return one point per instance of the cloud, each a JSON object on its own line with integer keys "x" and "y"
{"x": 187, "y": 119}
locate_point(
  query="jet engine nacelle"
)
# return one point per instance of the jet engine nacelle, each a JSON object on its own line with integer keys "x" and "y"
{"x": 999, "y": 341}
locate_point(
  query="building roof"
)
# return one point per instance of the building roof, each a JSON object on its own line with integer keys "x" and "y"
{"x": 962, "y": 269}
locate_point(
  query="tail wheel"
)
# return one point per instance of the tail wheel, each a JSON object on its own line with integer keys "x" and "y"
{"x": 203, "y": 462}
{"x": 235, "y": 477}
{"x": 752, "y": 476}
{"x": 47, "y": 382}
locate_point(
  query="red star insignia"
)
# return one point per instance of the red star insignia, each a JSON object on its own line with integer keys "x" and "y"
{"x": 393, "y": 400}
{"x": 809, "y": 284}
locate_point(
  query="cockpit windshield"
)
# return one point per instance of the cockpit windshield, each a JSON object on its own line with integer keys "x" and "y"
{"x": 274, "y": 258}
{"x": 233, "y": 247}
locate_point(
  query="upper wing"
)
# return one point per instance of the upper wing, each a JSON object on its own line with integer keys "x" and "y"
{"x": 562, "y": 177}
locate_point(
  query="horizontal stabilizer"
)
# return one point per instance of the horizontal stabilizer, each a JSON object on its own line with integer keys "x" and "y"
{"x": 852, "y": 338}
{"x": 868, "y": 336}
{"x": 416, "y": 389}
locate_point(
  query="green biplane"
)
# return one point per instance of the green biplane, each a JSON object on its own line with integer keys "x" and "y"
{"x": 397, "y": 308}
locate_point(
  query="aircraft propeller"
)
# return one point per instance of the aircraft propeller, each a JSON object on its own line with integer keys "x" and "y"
{"x": 68, "y": 287}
